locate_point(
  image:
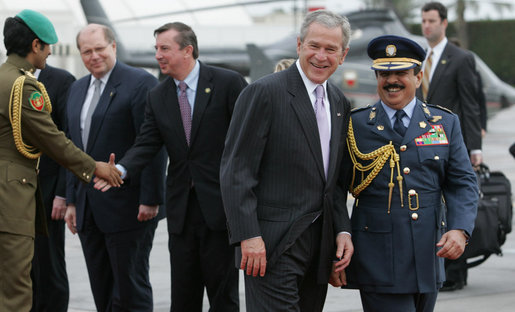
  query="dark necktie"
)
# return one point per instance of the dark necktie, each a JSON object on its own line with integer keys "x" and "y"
{"x": 323, "y": 125}
{"x": 92, "y": 105}
{"x": 398, "y": 125}
{"x": 185, "y": 107}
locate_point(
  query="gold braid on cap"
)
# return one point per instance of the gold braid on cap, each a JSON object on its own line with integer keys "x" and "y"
{"x": 15, "y": 105}
{"x": 379, "y": 158}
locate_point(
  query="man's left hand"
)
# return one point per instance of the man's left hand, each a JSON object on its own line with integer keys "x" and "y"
{"x": 453, "y": 244}
{"x": 344, "y": 251}
{"x": 476, "y": 159}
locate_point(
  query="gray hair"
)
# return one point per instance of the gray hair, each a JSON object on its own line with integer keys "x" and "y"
{"x": 327, "y": 19}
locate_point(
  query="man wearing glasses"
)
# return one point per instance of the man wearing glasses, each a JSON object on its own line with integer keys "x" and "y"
{"x": 105, "y": 110}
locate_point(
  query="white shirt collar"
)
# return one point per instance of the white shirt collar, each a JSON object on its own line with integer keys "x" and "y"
{"x": 192, "y": 79}
{"x": 408, "y": 109}
{"x": 310, "y": 85}
{"x": 104, "y": 78}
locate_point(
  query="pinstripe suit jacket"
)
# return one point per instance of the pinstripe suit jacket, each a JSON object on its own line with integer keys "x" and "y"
{"x": 272, "y": 176}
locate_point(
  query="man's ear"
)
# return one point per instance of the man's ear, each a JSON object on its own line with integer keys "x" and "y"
{"x": 35, "y": 45}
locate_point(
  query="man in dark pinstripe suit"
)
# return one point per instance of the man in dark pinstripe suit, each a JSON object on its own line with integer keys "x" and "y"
{"x": 283, "y": 189}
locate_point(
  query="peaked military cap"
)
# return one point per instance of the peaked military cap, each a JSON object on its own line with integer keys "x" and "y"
{"x": 40, "y": 25}
{"x": 392, "y": 53}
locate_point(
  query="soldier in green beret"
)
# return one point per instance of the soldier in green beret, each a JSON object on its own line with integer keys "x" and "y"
{"x": 26, "y": 131}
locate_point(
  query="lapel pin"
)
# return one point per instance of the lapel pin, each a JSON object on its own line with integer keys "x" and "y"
{"x": 339, "y": 114}
{"x": 111, "y": 94}
{"x": 207, "y": 90}
{"x": 444, "y": 62}
{"x": 380, "y": 127}
{"x": 422, "y": 124}
{"x": 372, "y": 115}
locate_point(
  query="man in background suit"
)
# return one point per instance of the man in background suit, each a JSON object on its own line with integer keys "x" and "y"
{"x": 116, "y": 228}
{"x": 189, "y": 112}
{"x": 282, "y": 187}
{"x": 49, "y": 279}
{"x": 452, "y": 77}
{"x": 451, "y": 82}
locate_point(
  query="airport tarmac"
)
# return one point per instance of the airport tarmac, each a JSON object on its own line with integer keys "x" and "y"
{"x": 491, "y": 286}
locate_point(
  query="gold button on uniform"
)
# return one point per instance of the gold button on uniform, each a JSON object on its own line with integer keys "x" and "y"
{"x": 87, "y": 177}
{"x": 437, "y": 157}
{"x": 443, "y": 223}
{"x": 406, "y": 170}
{"x": 414, "y": 216}
{"x": 24, "y": 180}
{"x": 403, "y": 148}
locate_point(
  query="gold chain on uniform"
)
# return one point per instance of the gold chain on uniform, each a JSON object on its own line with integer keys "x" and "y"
{"x": 379, "y": 158}
{"x": 15, "y": 105}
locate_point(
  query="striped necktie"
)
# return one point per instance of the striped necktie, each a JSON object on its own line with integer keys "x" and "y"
{"x": 427, "y": 73}
{"x": 185, "y": 107}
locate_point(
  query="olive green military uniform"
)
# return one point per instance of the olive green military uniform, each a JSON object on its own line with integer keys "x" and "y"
{"x": 18, "y": 179}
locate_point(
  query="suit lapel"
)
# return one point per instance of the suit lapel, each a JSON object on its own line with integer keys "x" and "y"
{"x": 380, "y": 124}
{"x": 171, "y": 109}
{"x": 301, "y": 105}
{"x": 106, "y": 98}
{"x": 441, "y": 67}
{"x": 75, "y": 109}
{"x": 337, "y": 117}
{"x": 204, "y": 90}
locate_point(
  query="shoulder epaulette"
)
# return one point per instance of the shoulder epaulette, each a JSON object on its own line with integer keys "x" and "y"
{"x": 440, "y": 107}
{"x": 27, "y": 73}
{"x": 358, "y": 109}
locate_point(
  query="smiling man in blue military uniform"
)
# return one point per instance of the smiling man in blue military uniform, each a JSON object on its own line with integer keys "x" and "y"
{"x": 408, "y": 157}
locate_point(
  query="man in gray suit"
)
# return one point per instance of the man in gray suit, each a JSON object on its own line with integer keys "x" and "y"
{"x": 282, "y": 187}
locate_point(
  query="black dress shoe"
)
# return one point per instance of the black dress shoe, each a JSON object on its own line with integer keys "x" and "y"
{"x": 452, "y": 286}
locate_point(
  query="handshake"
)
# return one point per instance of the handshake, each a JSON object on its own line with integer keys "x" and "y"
{"x": 107, "y": 175}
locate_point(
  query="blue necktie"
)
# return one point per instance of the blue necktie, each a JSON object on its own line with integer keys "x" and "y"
{"x": 398, "y": 125}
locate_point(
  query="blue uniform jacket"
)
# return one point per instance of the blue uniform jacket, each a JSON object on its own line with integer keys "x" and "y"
{"x": 396, "y": 252}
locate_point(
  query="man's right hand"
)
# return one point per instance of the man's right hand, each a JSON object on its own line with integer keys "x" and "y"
{"x": 253, "y": 256}
{"x": 107, "y": 175}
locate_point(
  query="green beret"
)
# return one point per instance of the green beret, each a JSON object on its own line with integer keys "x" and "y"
{"x": 40, "y": 25}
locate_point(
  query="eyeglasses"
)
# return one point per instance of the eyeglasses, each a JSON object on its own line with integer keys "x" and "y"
{"x": 97, "y": 50}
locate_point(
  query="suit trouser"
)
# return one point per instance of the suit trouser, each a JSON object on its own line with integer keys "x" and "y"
{"x": 49, "y": 278}
{"x": 118, "y": 266}
{"x": 419, "y": 302}
{"x": 200, "y": 257}
{"x": 16, "y": 253}
{"x": 290, "y": 283}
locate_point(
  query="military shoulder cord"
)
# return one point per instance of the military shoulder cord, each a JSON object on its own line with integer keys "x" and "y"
{"x": 379, "y": 157}
{"x": 15, "y": 105}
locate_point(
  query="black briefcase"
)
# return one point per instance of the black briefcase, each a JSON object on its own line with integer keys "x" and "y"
{"x": 494, "y": 216}
{"x": 496, "y": 187}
